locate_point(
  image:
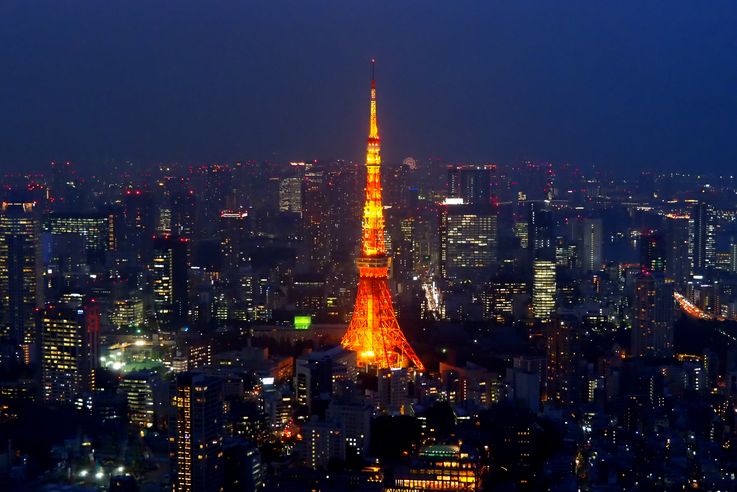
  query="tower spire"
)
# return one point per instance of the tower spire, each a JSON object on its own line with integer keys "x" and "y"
{"x": 374, "y": 332}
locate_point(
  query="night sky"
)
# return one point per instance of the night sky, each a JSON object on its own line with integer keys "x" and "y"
{"x": 624, "y": 84}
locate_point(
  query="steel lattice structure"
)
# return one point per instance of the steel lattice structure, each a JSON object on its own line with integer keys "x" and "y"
{"x": 374, "y": 333}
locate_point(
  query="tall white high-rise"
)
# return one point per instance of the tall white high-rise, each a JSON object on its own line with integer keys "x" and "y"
{"x": 543, "y": 288}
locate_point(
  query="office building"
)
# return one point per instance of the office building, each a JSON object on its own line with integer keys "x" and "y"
{"x": 652, "y": 323}
{"x": 703, "y": 237}
{"x": 243, "y": 471}
{"x": 470, "y": 183}
{"x": 127, "y": 313}
{"x": 196, "y": 433}
{"x": 562, "y": 381}
{"x": 543, "y": 288}
{"x": 20, "y": 272}
{"x": 540, "y": 231}
{"x": 169, "y": 271}
{"x": 70, "y": 351}
{"x": 592, "y": 240}
{"x": 653, "y": 252}
{"x": 138, "y": 389}
{"x": 318, "y": 375}
{"x": 678, "y": 239}
{"x": 92, "y": 228}
{"x": 468, "y": 241}
{"x": 290, "y": 195}
{"x": 234, "y": 234}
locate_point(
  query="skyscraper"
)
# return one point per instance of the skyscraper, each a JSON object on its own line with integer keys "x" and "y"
{"x": 374, "y": 332}
{"x": 540, "y": 231}
{"x": 470, "y": 183}
{"x": 653, "y": 252}
{"x": 563, "y": 352}
{"x": 678, "y": 263}
{"x": 138, "y": 388}
{"x": 652, "y": 324}
{"x": 703, "y": 237}
{"x": 234, "y": 233}
{"x": 196, "y": 433}
{"x": 290, "y": 195}
{"x": 593, "y": 234}
{"x": 468, "y": 241}
{"x": 70, "y": 350}
{"x": 93, "y": 228}
{"x": 20, "y": 272}
{"x": 169, "y": 271}
{"x": 543, "y": 288}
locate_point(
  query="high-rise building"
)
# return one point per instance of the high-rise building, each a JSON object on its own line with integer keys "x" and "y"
{"x": 290, "y": 195}
{"x": 468, "y": 241}
{"x": 70, "y": 351}
{"x": 322, "y": 443}
{"x": 317, "y": 374}
{"x": 354, "y": 420}
{"x": 169, "y": 271}
{"x": 562, "y": 384}
{"x": 315, "y": 222}
{"x": 470, "y": 183}
{"x": 703, "y": 237}
{"x": 139, "y": 223}
{"x": 234, "y": 234}
{"x": 678, "y": 262}
{"x": 652, "y": 324}
{"x": 20, "y": 272}
{"x": 93, "y": 229}
{"x": 243, "y": 469}
{"x": 653, "y": 252}
{"x": 374, "y": 332}
{"x": 733, "y": 257}
{"x": 127, "y": 312}
{"x": 196, "y": 433}
{"x": 505, "y": 300}
{"x": 543, "y": 288}
{"x": 592, "y": 240}
{"x": 470, "y": 386}
{"x": 138, "y": 389}
{"x": 540, "y": 231}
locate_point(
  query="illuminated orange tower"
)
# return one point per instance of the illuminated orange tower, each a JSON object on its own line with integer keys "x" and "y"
{"x": 374, "y": 332}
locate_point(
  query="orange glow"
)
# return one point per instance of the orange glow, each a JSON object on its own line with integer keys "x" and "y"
{"x": 374, "y": 333}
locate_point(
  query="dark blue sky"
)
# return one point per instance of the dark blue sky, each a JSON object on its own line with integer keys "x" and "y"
{"x": 626, "y": 84}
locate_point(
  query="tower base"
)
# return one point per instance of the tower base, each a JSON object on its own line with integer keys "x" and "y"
{"x": 374, "y": 333}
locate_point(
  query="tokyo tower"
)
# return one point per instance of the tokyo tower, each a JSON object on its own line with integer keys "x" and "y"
{"x": 374, "y": 332}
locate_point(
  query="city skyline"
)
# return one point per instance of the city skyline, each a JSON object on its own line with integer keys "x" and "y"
{"x": 472, "y": 323}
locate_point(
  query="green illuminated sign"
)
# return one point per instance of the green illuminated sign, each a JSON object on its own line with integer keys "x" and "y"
{"x": 302, "y": 322}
